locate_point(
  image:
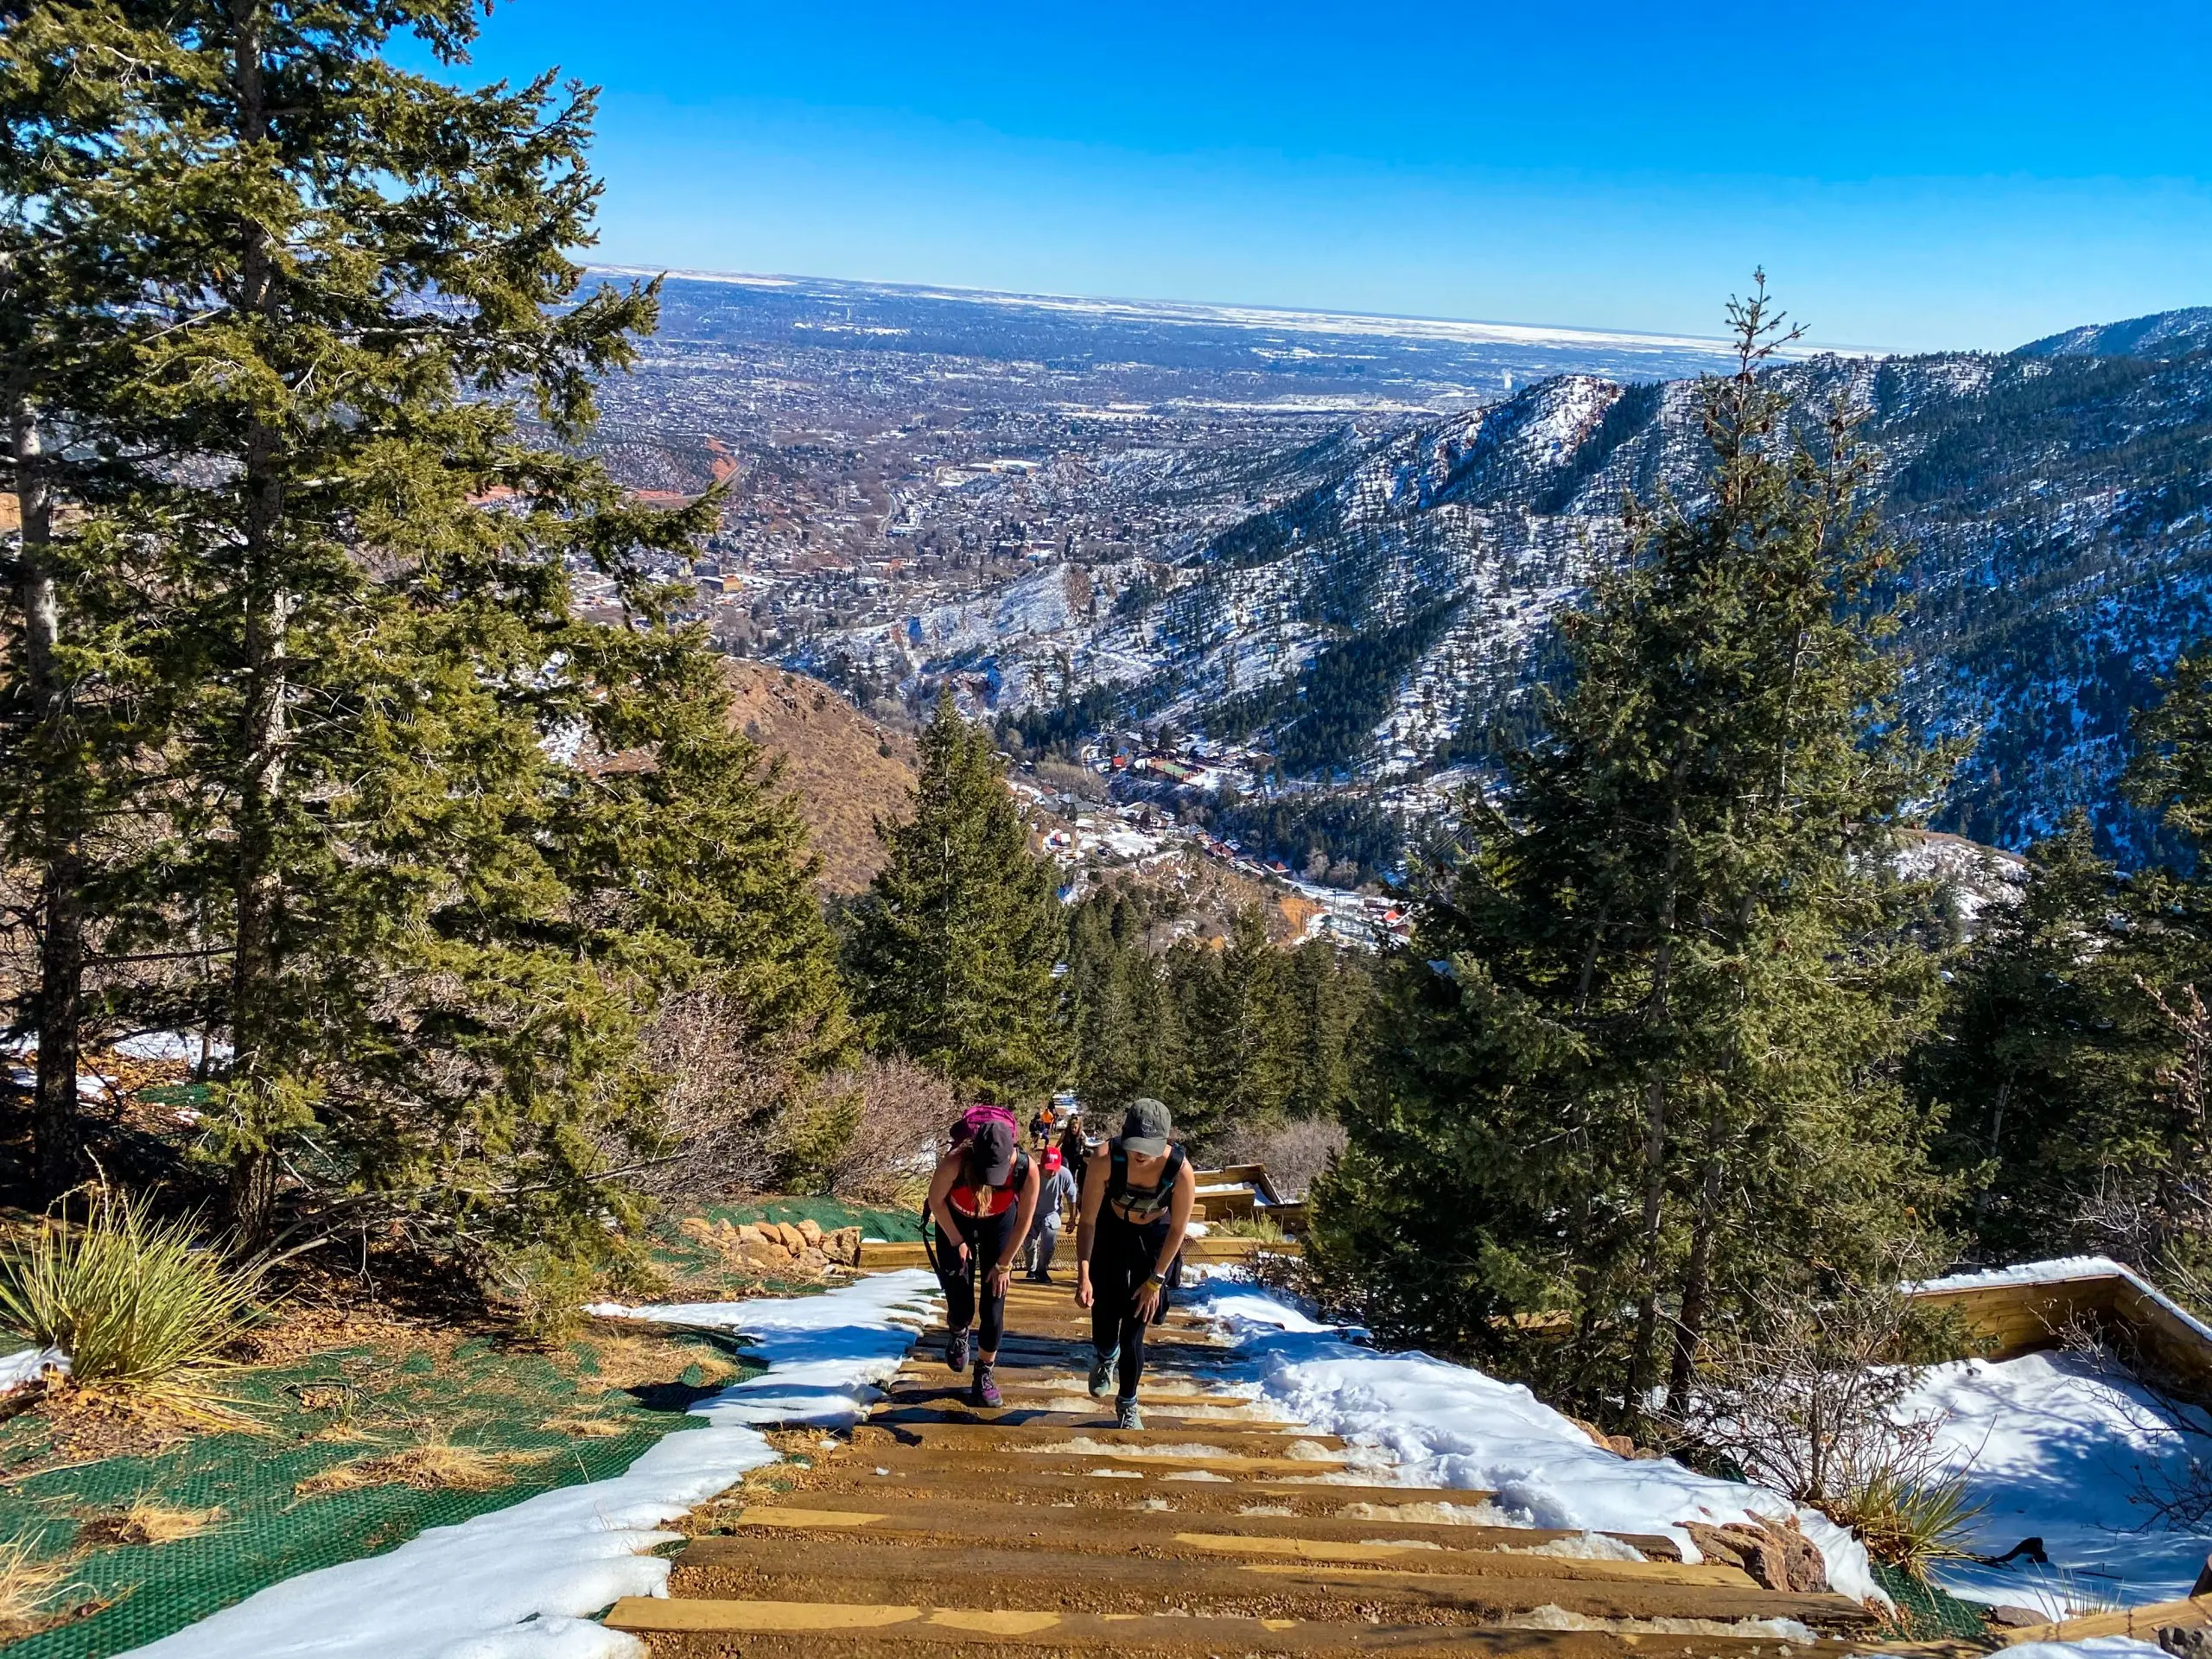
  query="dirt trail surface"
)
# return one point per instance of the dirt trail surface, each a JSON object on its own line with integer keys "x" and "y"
{"x": 937, "y": 1528}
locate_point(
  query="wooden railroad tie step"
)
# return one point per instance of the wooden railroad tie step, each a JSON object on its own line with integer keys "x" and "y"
{"x": 900, "y": 1513}
{"x": 861, "y": 1568}
{"x": 1066, "y": 1532}
{"x": 920, "y": 1624}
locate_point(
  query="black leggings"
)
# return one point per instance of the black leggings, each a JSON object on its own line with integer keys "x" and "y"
{"x": 987, "y": 1236}
{"x": 1122, "y": 1256}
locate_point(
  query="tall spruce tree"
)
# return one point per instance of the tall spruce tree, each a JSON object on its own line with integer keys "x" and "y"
{"x": 1640, "y": 1069}
{"x": 953, "y": 946}
{"x": 75, "y": 715}
{"x": 449, "y": 844}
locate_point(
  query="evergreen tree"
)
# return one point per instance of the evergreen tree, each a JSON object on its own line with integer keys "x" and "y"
{"x": 1236, "y": 1018}
{"x": 1640, "y": 1068}
{"x": 2022, "y": 1055}
{"x": 953, "y": 947}
{"x": 443, "y": 846}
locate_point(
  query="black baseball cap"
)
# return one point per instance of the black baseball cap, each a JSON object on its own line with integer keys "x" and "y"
{"x": 993, "y": 1152}
{"x": 1145, "y": 1130}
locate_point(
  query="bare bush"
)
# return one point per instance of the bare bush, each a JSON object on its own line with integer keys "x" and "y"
{"x": 1809, "y": 1397}
{"x": 1295, "y": 1151}
{"x": 903, "y": 1113}
{"x": 722, "y": 1102}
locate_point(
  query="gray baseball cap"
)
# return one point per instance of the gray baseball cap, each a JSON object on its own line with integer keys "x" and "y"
{"x": 1145, "y": 1130}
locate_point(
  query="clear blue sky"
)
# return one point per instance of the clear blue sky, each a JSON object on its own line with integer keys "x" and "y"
{"x": 1912, "y": 175}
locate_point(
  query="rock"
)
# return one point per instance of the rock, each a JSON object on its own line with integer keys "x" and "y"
{"x": 1714, "y": 1544}
{"x": 792, "y": 1239}
{"x": 843, "y": 1246}
{"x": 1777, "y": 1554}
{"x": 811, "y": 1230}
{"x": 1806, "y": 1570}
{"x": 2015, "y": 1618}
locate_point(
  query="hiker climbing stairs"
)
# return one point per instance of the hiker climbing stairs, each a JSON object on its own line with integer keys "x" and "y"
{"x": 942, "y": 1527}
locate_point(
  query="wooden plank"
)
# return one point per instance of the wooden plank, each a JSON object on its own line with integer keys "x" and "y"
{"x": 905, "y": 1512}
{"x": 2189, "y": 1613}
{"x": 1139, "y": 1633}
{"x": 1014, "y": 1573}
{"x": 1426, "y": 1556}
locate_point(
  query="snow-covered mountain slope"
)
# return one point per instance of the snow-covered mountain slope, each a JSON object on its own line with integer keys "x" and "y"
{"x": 1397, "y": 612}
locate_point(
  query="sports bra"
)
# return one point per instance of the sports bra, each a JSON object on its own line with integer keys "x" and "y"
{"x": 996, "y": 1200}
{"x": 1141, "y": 1204}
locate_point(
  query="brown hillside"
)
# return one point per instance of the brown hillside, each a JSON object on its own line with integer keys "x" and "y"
{"x": 833, "y": 759}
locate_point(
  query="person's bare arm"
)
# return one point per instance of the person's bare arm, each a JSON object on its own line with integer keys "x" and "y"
{"x": 940, "y": 1202}
{"x": 1086, "y": 1226}
{"x": 1179, "y": 1207}
{"x": 1025, "y": 1212}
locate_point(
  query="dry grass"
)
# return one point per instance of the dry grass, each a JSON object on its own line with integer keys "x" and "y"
{"x": 434, "y": 1466}
{"x": 626, "y": 1362}
{"x": 28, "y": 1585}
{"x": 579, "y": 1426}
{"x": 146, "y": 1522}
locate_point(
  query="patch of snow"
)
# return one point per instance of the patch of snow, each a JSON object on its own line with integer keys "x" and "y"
{"x": 1452, "y": 1426}
{"x": 2056, "y": 1446}
{"x": 519, "y": 1583}
{"x": 21, "y": 1368}
{"x": 2098, "y": 1647}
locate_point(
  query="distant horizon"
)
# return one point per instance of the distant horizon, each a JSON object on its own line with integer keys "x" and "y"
{"x": 1499, "y": 328}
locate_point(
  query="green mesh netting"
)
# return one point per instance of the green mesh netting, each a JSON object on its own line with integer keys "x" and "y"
{"x": 327, "y": 1410}
{"x": 1928, "y": 1612}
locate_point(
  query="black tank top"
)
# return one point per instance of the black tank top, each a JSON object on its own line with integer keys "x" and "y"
{"x": 1140, "y": 1205}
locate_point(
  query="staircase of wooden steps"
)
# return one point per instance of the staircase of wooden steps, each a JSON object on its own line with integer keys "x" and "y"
{"x": 937, "y": 1528}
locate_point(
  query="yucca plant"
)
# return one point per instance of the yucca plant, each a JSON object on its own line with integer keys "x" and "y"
{"x": 136, "y": 1301}
{"x": 1907, "y": 1519}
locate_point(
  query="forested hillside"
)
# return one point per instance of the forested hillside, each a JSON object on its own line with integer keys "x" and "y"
{"x": 2052, "y": 501}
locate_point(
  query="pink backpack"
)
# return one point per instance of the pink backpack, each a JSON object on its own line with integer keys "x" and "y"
{"x": 971, "y": 1121}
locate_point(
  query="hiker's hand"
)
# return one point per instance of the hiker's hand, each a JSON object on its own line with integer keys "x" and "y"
{"x": 962, "y": 1246}
{"x": 1001, "y": 1277}
{"x": 1085, "y": 1296}
{"x": 1147, "y": 1299}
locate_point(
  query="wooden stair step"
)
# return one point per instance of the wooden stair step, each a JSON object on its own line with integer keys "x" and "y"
{"x": 898, "y": 1512}
{"x": 1016, "y": 1425}
{"x": 1077, "y": 1532}
{"x": 899, "y": 1627}
{"x": 1039, "y": 1578}
{"x": 1015, "y": 1480}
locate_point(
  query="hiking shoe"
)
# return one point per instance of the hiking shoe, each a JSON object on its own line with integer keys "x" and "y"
{"x": 986, "y": 1390}
{"x": 956, "y": 1351}
{"x": 1101, "y": 1374}
{"x": 1127, "y": 1414}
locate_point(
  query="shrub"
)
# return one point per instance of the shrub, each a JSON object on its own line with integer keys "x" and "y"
{"x": 133, "y": 1300}
{"x": 1295, "y": 1151}
{"x": 1259, "y": 1224}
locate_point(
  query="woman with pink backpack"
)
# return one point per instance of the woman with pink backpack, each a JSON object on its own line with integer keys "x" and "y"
{"x": 982, "y": 1198}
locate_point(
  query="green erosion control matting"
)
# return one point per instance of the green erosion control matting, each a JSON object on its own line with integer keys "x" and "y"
{"x": 1929, "y": 1613}
{"x": 325, "y": 1411}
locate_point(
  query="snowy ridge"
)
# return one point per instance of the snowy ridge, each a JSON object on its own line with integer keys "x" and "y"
{"x": 518, "y": 1583}
{"x": 1452, "y": 1426}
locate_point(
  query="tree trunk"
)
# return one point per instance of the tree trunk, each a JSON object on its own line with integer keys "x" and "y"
{"x": 1996, "y": 1140}
{"x": 257, "y": 882}
{"x": 56, "y": 1132}
{"x": 1697, "y": 1274}
{"x": 1655, "y": 1114}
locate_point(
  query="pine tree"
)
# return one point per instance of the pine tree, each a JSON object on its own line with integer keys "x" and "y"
{"x": 1236, "y": 1025}
{"x": 1643, "y": 1055}
{"x": 953, "y": 947}
{"x": 2021, "y": 1060}
{"x": 73, "y": 676}
{"x": 448, "y": 845}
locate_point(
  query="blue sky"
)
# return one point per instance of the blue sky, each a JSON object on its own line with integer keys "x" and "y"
{"x": 1913, "y": 176}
